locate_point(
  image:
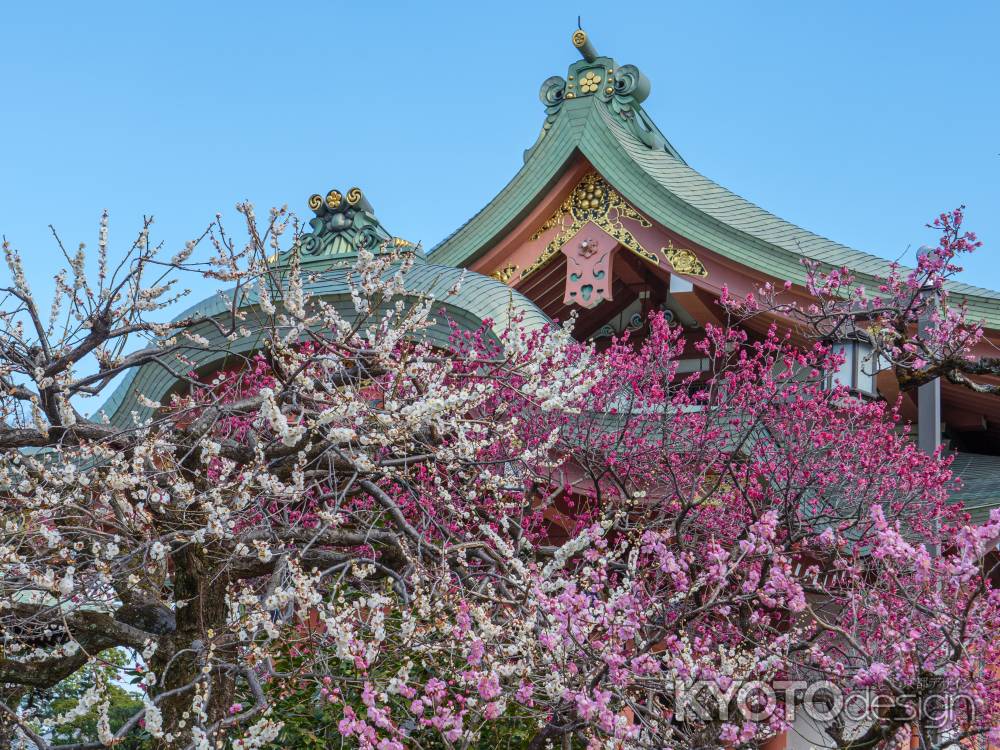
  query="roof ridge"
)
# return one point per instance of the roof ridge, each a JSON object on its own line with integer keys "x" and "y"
{"x": 878, "y": 265}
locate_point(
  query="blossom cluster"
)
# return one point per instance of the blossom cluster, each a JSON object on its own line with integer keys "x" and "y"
{"x": 431, "y": 542}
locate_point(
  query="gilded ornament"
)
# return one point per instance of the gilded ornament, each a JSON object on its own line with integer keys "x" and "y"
{"x": 592, "y": 200}
{"x": 590, "y": 83}
{"x": 342, "y": 228}
{"x": 684, "y": 261}
{"x": 505, "y": 274}
{"x": 584, "y": 45}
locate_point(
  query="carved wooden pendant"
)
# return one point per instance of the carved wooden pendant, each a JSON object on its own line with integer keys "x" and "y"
{"x": 589, "y": 254}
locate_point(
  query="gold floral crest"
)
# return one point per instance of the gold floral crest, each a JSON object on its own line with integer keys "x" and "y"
{"x": 594, "y": 200}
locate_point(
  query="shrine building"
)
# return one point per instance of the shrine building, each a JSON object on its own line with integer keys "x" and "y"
{"x": 607, "y": 220}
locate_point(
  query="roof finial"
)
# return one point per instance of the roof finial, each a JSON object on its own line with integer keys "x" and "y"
{"x": 345, "y": 224}
{"x": 582, "y": 43}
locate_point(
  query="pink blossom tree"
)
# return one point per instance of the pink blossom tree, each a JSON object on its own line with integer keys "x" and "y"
{"x": 438, "y": 544}
{"x": 917, "y": 325}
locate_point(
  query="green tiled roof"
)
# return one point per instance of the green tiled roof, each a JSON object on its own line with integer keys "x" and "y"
{"x": 480, "y": 299}
{"x": 630, "y": 153}
{"x": 980, "y": 490}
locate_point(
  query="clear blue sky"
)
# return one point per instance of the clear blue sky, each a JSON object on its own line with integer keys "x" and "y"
{"x": 857, "y": 120}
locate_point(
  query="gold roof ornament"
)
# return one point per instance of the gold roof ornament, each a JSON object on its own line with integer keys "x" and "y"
{"x": 684, "y": 261}
{"x": 592, "y": 200}
{"x": 584, "y": 46}
{"x": 505, "y": 273}
{"x": 345, "y": 224}
{"x": 595, "y": 200}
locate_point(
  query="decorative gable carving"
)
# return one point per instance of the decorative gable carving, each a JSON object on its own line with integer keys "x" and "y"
{"x": 592, "y": 200}
{"x": 588, "y": 266}
{"x": 590, "y": 224}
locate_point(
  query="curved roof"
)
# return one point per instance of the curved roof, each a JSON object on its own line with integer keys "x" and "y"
{"x": 480, "y": 299}
{"x": 610, "y": 129}
{"x": 980, "y": 490}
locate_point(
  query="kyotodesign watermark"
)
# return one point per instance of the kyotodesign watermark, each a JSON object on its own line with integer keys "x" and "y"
{"x": 821, "y": 701}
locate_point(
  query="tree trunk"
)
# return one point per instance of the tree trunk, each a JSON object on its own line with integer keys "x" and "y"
{"x": 11, "y": 696}
{"x": 180, "y": 663}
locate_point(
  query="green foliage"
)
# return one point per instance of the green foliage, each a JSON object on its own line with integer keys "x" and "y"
{"x": 46, "y": 705}
{"x": 311, "y": 724}
{"x": 311, "y": 719}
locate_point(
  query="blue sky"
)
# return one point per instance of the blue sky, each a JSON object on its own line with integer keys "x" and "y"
{"x": 857, "y": 120}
